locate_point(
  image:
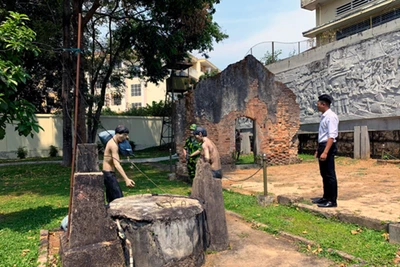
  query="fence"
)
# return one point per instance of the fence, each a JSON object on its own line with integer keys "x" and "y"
{"x": 144, "y": 131}
{"x": 280, "y": 50}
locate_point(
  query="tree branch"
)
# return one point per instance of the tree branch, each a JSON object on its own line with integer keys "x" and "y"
{"x": 91, "y": 12}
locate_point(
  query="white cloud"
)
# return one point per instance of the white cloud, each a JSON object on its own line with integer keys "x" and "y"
{"x": 283, "y": 27}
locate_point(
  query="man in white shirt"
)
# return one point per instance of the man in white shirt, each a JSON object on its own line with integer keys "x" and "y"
{"x": 327, "y": 148}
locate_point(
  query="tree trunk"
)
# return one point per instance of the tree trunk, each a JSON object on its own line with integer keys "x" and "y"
{"x": 66, "y": 86}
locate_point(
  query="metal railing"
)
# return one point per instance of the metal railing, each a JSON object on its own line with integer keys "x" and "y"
{"x": 280, "y": 50}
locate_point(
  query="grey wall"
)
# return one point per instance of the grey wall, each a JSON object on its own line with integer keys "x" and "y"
{"x": 361, "y": 73}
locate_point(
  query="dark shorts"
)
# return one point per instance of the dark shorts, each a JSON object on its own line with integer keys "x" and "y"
{"x": 217, "y": 173}
{"x": 113, "y": 190}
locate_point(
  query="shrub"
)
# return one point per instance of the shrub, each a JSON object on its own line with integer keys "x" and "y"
{"x": 53, "y": 151}
{"x": 22, "y": 152}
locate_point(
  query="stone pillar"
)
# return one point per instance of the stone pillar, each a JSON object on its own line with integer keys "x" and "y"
{"x": 362, "y": 148}
{"x": 245, "y": 143}
{"x": 87, "y": 159}
{"x": 209, "y": 190}
{"x": 93, "y": 239}
{"x": 394, "y": 233}
{"x": 365, "y": 145}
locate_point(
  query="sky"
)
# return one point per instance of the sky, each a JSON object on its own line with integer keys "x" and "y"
{"x": 250, "y": 22}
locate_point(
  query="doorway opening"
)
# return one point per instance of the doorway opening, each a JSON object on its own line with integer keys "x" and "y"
{"x": 245, "y": 141}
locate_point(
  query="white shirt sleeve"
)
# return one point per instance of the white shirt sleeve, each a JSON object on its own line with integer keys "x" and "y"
{"x": 333, "y": 127}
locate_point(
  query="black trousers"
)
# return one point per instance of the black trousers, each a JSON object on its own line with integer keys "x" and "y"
{"x": 113, "y": 190}
{"x": 327, "y": 170}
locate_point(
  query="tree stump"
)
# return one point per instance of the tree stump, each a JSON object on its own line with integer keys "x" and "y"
{"x": 163, "y": 230}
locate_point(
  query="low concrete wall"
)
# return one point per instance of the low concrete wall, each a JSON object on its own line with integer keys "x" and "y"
{"x": 144, "y": 131}
{"x": 381, "y": 143}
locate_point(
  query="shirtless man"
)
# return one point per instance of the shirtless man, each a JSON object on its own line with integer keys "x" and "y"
{"x": 209, "y": 152}
{"x": 111, "y": 162}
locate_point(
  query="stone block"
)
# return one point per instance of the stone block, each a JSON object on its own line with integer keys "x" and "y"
{"x": 162, "y": 230}
{"x": 87, "y": 159}
{"x": 265, "y": 200}
{"x": 288, "y": 199}
{"x": 89, "y": 221}
{"x": 209, "y": 190}
{"x": 108, "y": 253}
{"x": 394, "y": 233}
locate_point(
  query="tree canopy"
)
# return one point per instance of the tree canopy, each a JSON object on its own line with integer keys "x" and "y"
{"x": 15, "y": 41}
{"x": 148, "y": 36}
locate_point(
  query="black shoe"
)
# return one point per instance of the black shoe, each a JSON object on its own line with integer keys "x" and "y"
{"x": 328, "y": 204}
{"x": 319, "y": 200}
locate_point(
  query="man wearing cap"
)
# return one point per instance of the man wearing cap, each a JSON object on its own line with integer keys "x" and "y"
{"x": 191, "y": 152}
{"x": 209, "y": 152}
{"x": 327, "y": 134}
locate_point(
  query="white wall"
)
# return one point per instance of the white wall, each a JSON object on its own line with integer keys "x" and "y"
{"x": 144, "y": 131}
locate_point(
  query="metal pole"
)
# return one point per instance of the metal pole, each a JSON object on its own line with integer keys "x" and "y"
{"x": 170, "y": 160}
{"x": 78, "y": 63}
{"x": 298, "y": 47}
{"x": 264, "y": 158}
{"x": 273, "y": 52}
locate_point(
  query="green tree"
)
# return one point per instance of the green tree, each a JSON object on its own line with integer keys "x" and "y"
{"x": 270, "y": 58}
{"x": 15, "y": 41}
{"x": 208, "y": 74}
{"x": 45, "y": 67}
{"x": 147, "y": 37}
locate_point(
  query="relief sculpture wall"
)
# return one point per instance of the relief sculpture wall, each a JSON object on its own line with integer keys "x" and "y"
{"x": 363, "y": 79}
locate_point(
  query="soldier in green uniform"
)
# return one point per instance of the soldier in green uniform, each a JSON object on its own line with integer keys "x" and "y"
{"x": 191, "y": 152}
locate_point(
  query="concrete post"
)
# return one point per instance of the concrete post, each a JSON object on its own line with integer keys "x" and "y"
{"x": 357, "y": 142}
{"x": 365, "y": 145}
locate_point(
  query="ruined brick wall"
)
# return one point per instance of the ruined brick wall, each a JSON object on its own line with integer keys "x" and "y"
{"x": 244, "y": 89}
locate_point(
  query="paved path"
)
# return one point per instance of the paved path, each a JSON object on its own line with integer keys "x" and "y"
{"x": 134, "y": 160}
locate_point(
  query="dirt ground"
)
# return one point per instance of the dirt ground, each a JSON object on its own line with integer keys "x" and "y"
{"x": 365, "y": 187}
{"x": 255, "y": 248}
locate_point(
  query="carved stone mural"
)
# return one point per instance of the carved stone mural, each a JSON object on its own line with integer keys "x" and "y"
{"x": 363, "y": 79}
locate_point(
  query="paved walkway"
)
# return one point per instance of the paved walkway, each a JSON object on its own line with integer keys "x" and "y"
{"x": 134, "y": 160}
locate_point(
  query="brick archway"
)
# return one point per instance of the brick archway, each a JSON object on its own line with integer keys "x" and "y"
{"x": 244, "y": 89}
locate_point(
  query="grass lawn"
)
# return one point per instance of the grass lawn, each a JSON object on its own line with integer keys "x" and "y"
{"x": 34, "y": 197}
{"x": 245, "y": 159}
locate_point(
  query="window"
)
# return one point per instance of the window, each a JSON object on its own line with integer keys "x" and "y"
{"x": 136, "y": 90}
{"x": 366, "y": 24}
{"x": 350, "y": 6}
{"x": 116, "y": 100}
{"x": 136, "y": 105}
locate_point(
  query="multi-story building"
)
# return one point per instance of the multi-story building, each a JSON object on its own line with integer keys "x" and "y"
{"x": 138, "y": 93}
{"x": 337, "y": 19}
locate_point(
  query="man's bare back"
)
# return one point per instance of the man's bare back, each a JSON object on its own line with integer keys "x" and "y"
{"x": 210, "y": 153}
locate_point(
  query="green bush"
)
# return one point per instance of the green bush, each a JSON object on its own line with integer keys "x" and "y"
{"x": 159, "y": 109}
{"x": 53, "y": 151}
{"x": 22, "y": 152}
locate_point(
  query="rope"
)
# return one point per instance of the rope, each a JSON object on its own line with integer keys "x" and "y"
{"x": 134, "y": 165}
{"x": 247, "y": 178}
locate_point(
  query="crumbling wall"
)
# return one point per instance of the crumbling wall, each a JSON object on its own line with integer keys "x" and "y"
{"x": 244, "y": 89}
